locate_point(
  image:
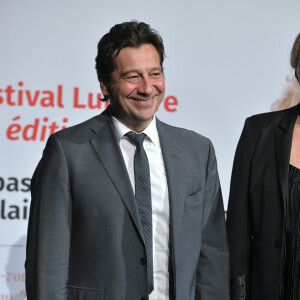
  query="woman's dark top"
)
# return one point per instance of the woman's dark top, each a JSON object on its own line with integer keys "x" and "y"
{"x": 290, "y": 263}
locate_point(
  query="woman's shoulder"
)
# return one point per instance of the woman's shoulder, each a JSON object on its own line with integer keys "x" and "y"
{"x": 267, "y": 119}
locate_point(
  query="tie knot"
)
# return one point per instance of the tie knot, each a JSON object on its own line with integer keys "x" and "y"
{"x": 137, "y": 138}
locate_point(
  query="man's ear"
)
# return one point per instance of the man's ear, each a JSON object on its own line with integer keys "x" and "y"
{"x": 104, "y": 89}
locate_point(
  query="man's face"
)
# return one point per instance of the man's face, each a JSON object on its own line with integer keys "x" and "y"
{"x": 138, "y": 86}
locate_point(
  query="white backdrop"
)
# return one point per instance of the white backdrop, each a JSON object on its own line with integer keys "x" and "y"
{"x": 226, "y": 60}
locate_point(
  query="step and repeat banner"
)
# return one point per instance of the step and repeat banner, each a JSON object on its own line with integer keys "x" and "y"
{"x": 225, "y": 60}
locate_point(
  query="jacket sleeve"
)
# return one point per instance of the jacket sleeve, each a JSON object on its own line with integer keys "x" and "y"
{"x": 48, "y": 241}
{"x": 238, "y": 215}
{"x": 213, "y": 268}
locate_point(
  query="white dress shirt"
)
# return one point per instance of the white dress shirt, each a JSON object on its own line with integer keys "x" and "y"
{"x": 160, "y": 201}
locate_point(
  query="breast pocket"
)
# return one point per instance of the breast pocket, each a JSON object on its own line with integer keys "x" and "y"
{"x": 192, "y": 219}
{"x": 78, "y": 293}
{"x": 194, "y": 199}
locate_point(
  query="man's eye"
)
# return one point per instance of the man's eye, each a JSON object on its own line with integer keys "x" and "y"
{"x": 155, "y": 74}
{"x": 131, "y": 77}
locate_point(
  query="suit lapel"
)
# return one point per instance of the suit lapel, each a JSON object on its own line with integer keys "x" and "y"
{"x": 173, "y": 161}
{"x": 283, "y": 143}
{"x": 109, "y": 152}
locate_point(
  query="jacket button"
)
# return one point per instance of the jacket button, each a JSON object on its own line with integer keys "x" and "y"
{"x": 143, "y": 261}
{"x": 278, "y": 243}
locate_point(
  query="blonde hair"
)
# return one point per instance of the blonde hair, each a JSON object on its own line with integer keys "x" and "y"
{"x": 290, "y": 95}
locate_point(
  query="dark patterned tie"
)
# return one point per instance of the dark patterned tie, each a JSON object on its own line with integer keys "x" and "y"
{"x": 143, "y": 198}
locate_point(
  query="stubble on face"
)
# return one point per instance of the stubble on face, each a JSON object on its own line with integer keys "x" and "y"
{"x": 137, "y": 87}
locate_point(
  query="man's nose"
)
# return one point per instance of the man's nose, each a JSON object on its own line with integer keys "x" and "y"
{"x": 145, "y": 86}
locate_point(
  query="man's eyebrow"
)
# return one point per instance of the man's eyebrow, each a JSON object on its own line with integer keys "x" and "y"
{"x": 156, "y": 69}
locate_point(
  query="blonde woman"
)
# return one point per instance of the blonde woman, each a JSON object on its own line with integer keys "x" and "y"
{"x": 263, "y": 220}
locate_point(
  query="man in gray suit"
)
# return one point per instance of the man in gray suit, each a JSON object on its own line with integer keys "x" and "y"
{"x": 125, "y": 206}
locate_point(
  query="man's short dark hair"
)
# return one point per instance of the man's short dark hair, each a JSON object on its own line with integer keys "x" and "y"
{"x": 128, "y": 34}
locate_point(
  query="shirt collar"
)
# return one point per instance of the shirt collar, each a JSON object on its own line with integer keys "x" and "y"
{"x": 151, "y": 130}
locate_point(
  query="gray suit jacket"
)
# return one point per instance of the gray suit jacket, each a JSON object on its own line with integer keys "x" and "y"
{"x": 85, "y": 238}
